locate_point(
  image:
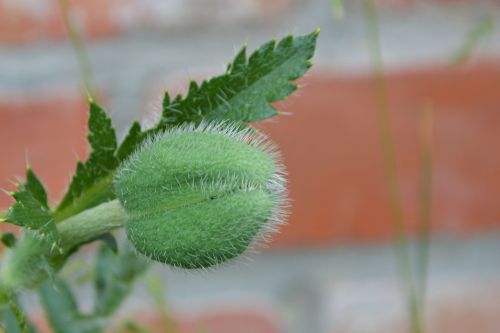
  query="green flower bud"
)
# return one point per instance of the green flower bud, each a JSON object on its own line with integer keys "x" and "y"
{"x": 197, "y": 196}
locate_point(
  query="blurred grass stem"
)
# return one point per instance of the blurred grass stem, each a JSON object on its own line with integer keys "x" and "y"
{"x": 130, "y": 326}
{"x": 390, "y": 165}
{"x": 19, "y": 315}
{"x": 426, "y": 139}
{"x": 337, "y": 9}
{"x": 483, "y": 29}
{"x": 156, "y": 290}
{"x": 79, "y": 48}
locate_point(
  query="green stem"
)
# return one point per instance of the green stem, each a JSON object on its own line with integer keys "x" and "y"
{"x": 337, "y": 9}
{"x": 78, "y": 47}
{"x": 31, "y": 260}
{"x": 132, "y": 327}
{"x": 156, "y": 290}
{"x": 426, "y": 125}
{"x": 484, "y": 28}
{"x": 391, "y": 175}
{"x": 90, "y": 224}
{"x": 19, "y": 315}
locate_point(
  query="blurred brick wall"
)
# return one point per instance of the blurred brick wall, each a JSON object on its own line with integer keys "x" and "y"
{"x": 332, "y": 149}
{"x": 330, "y": 141}
{"x": 331, "y": 146}
{"x": 46, "y": 131}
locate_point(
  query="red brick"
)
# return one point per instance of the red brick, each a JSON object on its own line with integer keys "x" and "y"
{"x": 49, "y": 132}
{"x": 331, "y": 147}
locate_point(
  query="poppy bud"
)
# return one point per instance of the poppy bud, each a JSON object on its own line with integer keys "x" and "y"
{"x": 197, "y": 196}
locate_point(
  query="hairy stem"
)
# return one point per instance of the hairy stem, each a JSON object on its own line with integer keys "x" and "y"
{"x": 91, "y": 224}
{"x": 391, "y": 175}
{"x": 32, "y": 260}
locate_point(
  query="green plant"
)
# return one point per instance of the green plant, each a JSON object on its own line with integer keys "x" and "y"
{"x": 402, "y": 248}
{"x": 197, "y": 189}
{"x": 483, "y": 29}
{"x": 415, "y": 284}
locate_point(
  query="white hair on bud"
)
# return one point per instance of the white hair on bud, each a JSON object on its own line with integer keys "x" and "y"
{"x": 276, "y": 185}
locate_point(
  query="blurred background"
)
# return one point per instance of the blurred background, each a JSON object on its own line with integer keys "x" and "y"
{"x": 333, "y": 267}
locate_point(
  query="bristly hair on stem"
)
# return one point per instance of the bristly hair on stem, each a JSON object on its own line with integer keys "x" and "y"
{"x": 389, "y": 156}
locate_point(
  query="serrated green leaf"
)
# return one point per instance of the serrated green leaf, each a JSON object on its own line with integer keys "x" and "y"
{"x": 35, "y": 186}
{"x": 131, "y": 142}
{"x": 62, "y": 311}
{"x": 27, "y": 211}
{"x": 115, "y": 275}
{"x": 100, "y": 164}
{"x": 242, "y": 94}
{"x": 31, "y": 213}
{"x": 245, "y": 91}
